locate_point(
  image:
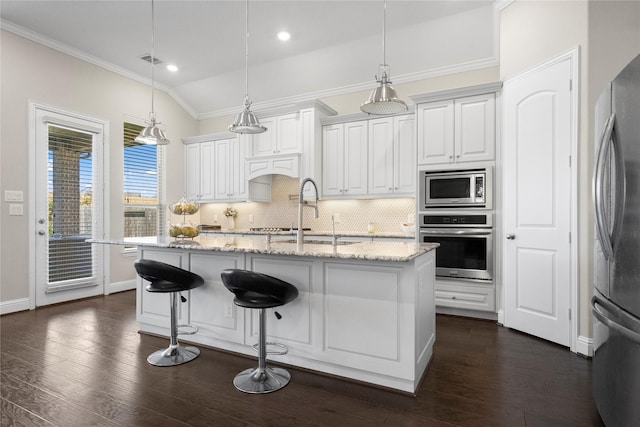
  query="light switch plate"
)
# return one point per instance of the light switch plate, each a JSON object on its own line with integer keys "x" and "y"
{"x": 15, "y": 209}
{"x": 13, "y": 196}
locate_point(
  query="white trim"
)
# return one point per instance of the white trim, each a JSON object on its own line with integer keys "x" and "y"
{"x": 12, "y": 306}
{"x": 398, "y": 79}
{"x": 584, "y": 346}
{"x": 406, "y": 78}
{"x": 457, "y": 92}
{"x": 125, "y": 285}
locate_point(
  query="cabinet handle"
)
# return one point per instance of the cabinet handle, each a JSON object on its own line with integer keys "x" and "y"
{"x": 511, "y": 236}
{"x": 390, "y": 189}
{"x": 451, "y": 157}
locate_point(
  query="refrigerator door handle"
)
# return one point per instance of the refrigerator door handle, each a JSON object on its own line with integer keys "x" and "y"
{"x": 601, "y": 219}
{"x": 613, "y": 321}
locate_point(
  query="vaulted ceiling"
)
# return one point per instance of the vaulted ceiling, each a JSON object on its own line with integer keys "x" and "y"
{"x": 335, "y": 46}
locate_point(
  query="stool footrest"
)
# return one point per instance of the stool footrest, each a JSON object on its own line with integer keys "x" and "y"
{"x": 284, "y": 348}
{"x": 193, "y": 330}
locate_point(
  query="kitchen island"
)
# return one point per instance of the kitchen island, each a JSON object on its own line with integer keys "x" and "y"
{"x": 365, "y": 309}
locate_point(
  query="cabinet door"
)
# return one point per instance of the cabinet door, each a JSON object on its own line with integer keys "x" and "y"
{"x": 239, "y": 174}
{"x": 207, "y": 178}
{"x": 381, "y": 156}
{"x": 288, "y": 135}
{"x": 192, "y": 171}
{"x": 404, "y": 149}
{"x": 154, "y": 308}
{"x": 223, "y": 169}
{"x": 264, "y": 144}
{"x": 475, "y": 128}
{"x": 332, "y": 160}
{"x": 355, "y": 158}
{"x": 435, "y": 132}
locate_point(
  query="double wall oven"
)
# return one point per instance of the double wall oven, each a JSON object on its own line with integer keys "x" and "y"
{"x": 455, "y": 210}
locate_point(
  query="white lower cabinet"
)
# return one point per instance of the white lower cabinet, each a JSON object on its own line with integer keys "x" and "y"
{"x": 153, "y": 308}
{"x": 371, "y": 321}
{"x": 469, "y": 296}
{"x": 214, "y": 312}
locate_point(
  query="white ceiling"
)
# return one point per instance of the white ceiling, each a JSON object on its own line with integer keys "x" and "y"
{"x": 335, "y": 47}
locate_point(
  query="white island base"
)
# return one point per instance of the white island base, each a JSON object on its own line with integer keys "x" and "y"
{"x": 370, "y": 321}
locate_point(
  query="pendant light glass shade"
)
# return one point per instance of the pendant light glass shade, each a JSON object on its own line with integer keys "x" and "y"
{"x": 247, "y": 121}
{"x": 383, "y": 99}
{"x": 152, "y": 134}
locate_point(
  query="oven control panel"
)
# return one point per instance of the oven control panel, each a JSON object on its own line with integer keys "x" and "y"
{"x": 458, "y": 220}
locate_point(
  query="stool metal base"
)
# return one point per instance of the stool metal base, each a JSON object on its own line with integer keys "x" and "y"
{"x": 173, "y": 355}
{"x": 261, "y": 380}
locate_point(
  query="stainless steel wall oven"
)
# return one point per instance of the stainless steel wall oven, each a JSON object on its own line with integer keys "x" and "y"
{"x": 466, "y": 243}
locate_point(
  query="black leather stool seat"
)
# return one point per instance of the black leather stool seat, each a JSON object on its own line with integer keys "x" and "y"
{"x": 256, "y": 290}
{"x": 260, "y": 291}
{"x": 166, "y": 278}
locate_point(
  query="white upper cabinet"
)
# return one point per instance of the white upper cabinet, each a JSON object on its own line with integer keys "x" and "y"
{"x": 230, "y": 181}
{"x": 282, "y": 136}
{"x": 344, "y": 155}
{"x": 392, "y": 156}
{"x": 199, "y": 164}
{"x": 457, "y": 130}
{"x": 215, "y": 171}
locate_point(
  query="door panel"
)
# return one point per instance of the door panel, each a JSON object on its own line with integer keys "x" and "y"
{"x": 537, "y": 202}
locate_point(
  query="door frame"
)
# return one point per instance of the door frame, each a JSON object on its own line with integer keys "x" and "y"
{"x": 574, "y": 57}
{"x": 103, "y": 175}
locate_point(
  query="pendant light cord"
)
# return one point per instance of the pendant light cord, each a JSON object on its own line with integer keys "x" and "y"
{"x": 153, "y": 59}
{"x": 384, "y": 34}
{"x": 246, "y": 53}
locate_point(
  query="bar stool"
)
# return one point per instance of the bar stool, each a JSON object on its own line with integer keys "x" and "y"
{"x": 259, "y": 291}
{"x": 165, "y": 278}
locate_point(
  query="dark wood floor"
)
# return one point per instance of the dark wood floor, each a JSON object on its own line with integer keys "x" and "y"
{"x": 83, "y": 363}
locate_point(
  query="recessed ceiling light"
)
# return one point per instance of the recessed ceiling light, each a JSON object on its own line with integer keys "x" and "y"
{"x": 172, "y": 68}
{"x": 284, "y": 36}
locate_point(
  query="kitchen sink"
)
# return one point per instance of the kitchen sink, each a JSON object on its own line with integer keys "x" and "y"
{"x": 315, "y": 242}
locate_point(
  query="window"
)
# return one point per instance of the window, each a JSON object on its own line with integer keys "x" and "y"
{"x": 143, "y": 206}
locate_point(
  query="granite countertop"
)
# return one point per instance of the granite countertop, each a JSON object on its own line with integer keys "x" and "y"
{"x": 280, "y": 245}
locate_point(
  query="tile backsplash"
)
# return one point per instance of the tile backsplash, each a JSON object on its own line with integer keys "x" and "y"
{"x": 355, "y": 215}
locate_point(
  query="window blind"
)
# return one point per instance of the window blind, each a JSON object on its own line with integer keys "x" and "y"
{"x": 70, "y": 207}
{"x": 143, "y": 213}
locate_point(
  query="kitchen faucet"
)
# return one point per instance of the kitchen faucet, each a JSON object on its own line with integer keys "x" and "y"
{"x": 301, "y": 204}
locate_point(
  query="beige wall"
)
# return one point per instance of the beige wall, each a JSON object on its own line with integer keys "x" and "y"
{"x": 32, "y": 72}
{"x": 608, "y": 35}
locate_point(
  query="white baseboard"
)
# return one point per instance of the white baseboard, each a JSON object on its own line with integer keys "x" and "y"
{"x": 12, "y": 306}
{"x": 125, "y": 285}
{"x": 584, "y": 346}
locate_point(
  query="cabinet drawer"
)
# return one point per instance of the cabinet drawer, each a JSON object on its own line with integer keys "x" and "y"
{"x": 471, "y": 297}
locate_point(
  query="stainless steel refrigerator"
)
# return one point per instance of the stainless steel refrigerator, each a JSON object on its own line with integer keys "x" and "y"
{"x": 616, "y": 299}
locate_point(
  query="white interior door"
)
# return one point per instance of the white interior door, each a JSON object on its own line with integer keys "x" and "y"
{"x": 537, "y": 201}
{"x": 68, "y": 206}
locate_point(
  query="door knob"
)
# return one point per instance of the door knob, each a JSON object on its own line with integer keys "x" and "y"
{"x": 511, "y": 236}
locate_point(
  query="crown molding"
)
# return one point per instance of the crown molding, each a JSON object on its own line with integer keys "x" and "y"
{"x": 83, "y": 56}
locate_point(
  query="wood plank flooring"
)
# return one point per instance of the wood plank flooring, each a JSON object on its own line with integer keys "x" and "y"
{"x": 83, "y": 363}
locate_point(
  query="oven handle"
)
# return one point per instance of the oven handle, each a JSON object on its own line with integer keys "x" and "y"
{"x": 470, "y": 232}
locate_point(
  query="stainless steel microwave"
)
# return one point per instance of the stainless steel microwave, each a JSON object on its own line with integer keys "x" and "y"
{"x": 456, "y": 188}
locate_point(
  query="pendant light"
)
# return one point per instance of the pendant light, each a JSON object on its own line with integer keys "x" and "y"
{"x": 246, "y": 121}
{"x": 152, "y": 134}
{"x": 383, "y": 99}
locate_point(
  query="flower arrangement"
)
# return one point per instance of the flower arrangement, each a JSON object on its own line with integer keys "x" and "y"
{"x": 230, "y": 212}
